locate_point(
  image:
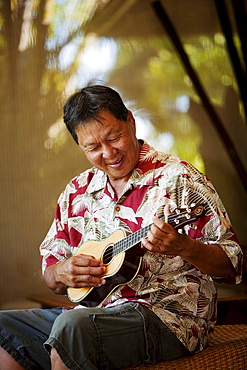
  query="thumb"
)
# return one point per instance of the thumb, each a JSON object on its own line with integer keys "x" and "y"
{"x": 167, "y": 212}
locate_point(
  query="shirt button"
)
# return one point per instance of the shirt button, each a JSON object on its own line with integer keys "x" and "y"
{"x": 117, "y": 208}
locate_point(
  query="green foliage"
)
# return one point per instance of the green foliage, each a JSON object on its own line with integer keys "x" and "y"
{"x": 147, "y": 71}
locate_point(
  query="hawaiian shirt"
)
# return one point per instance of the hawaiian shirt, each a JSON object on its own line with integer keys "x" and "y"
{"x": 181, "y": 295}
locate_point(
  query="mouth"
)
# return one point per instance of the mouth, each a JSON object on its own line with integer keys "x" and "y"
{"x": 116, "y": 164}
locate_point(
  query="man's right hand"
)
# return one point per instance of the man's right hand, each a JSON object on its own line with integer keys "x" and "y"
{"x": 79, "y": 271}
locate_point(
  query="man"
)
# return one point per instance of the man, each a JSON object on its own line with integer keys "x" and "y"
{"x": 168, "y": 307}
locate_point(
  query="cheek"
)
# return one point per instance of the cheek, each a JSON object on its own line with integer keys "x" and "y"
{"x": 93, "y": 158}
{"x": 125, "y": 144}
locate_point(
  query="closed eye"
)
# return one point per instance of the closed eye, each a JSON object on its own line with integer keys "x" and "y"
{"x": 92, "y": 148}
{"x": 115, "y": 138}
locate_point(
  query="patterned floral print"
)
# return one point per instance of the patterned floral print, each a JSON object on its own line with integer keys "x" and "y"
{"x": 181, "y": 295}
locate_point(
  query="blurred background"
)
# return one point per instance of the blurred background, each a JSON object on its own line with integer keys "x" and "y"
{"x": 180, "y": 66}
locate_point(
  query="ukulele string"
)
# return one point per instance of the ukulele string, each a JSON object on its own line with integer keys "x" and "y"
{"x": 134, "y": 238}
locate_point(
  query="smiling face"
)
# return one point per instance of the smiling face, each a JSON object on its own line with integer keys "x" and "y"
{"x": 110, "y": 145}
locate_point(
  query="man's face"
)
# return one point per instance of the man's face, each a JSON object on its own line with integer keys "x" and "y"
{"x": 110, "y": 144}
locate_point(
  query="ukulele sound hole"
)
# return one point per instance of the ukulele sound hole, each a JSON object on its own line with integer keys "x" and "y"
{"x": 108, "y": 254}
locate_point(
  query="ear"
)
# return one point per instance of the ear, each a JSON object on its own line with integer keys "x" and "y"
{"x": 131, "y": 120}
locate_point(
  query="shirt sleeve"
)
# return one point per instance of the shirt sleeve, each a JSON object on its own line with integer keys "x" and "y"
{"x": 214, "y": 227}
{"x": 56, "y": 245}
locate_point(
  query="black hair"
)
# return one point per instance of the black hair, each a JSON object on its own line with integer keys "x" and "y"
{"x": 86, "y": 105}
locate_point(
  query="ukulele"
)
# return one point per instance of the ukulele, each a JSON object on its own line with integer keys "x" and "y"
{"x": 122, "y": 255}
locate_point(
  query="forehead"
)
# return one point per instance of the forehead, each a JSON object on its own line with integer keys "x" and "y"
{"x": 99, "y": 129}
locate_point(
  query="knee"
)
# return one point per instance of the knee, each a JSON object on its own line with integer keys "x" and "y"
{"x": 71, "y": 321}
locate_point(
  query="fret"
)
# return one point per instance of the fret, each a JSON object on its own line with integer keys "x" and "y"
{"x": 178, "y": 219}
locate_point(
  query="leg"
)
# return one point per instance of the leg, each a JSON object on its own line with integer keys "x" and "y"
{"x": 56, "y": 362}
{"x": 7, "y": 362}
{"x": 22, "y": 334}
{"x": 110, "y": 338}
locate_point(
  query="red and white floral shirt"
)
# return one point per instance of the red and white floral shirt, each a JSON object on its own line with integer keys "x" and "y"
{"x": 182, "y": 296}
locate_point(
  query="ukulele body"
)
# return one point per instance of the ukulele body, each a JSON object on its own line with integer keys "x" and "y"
{"x": 121, "y": 269}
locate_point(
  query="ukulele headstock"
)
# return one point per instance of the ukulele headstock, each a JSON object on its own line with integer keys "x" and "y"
{"x": 185, "y": 216}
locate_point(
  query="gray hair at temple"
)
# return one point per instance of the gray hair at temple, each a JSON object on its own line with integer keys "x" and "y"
{"x": 86, "y": 105}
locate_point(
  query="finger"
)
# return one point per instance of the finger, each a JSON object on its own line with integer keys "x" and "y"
{"x": 160, "y": 227}
{"x": 80, "y": 281}
{"x": 85, "y": 275}
{"x": 82, "y": 274}
{"x": 167, "y": 209}
{"x": 149, "y": 246}
{"x": 89, "y": 270}
{"x": 86, "y": 260}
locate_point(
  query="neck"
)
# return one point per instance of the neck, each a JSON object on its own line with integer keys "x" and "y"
{"x": 118, "y": 186}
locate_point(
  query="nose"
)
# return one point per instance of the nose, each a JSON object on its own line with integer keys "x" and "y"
{"x": 108, "y": 152}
